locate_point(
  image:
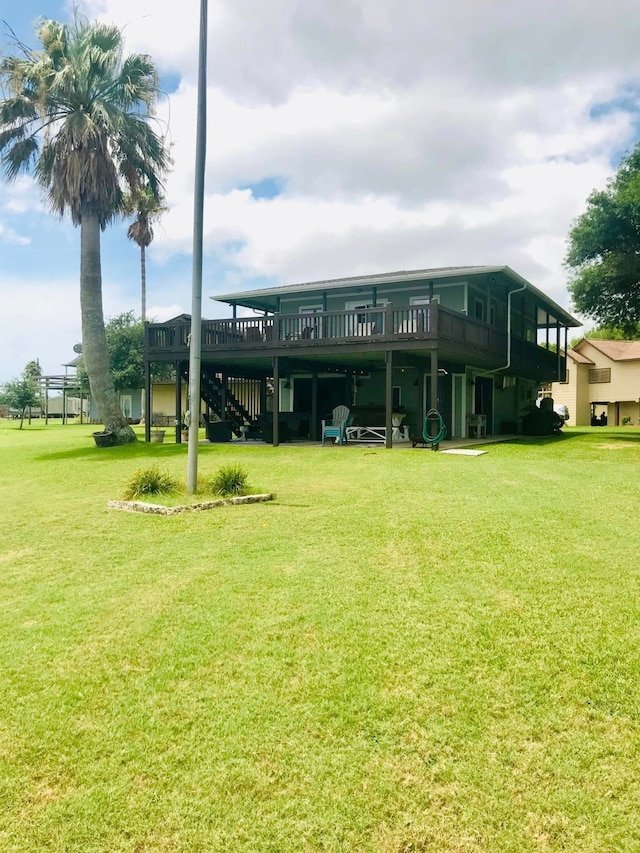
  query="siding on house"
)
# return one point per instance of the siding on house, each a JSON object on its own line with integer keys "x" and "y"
{"x": 487, "y": 334}
{"x": 618, "y": 363}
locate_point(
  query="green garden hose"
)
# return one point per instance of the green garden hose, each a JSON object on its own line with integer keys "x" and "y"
{"x": 434, "y": 417}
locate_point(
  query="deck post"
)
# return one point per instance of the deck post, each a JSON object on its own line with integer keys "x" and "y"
{"x": 388, "y": 398}
{"x": 314, "y": 406}
{"x": 178, "y": 403}
{"x": 276, "y": 401}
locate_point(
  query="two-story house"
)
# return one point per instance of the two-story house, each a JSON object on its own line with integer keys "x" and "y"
{"x": 465, "y": 341}
{"x": 602, "y": 379}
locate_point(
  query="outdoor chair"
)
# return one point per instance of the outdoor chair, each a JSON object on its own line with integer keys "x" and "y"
{"x": 336, "y": 426}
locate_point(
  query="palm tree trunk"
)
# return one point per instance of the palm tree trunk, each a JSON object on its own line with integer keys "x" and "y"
{"x": 143, "y": 283}
{"x": 94, "y": 340}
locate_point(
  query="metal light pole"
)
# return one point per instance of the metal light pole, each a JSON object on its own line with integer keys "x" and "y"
{"x": 196, "y": 287}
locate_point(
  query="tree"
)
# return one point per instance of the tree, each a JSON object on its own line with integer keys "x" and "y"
{"x": 604, "y": 251}
{"x": 125, "y": 342}
{"x": 33, "y": 371}
{"x": 21, "y": 393}
{"x": 147, "y": 208}
{"x": 77, "y": 114}
{"x": 610, "y": 333}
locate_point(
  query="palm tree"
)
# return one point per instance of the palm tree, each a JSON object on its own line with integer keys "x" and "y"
{"x": 76, "y": 113}
{"x": 147, "y": 208}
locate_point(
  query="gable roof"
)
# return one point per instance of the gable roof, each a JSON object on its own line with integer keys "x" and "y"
{"x": 578, "y": 357}
{"x": 615, "y": 350}
{"x": 264, "y": 298}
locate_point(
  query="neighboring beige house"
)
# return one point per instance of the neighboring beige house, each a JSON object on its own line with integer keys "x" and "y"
{"x": 164, "y": 402}
{"x": 602, "y": 377}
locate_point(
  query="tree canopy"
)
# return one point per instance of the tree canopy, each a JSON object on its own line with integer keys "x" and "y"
{"x": 125, "y": 339}
{"x": 76, "y": 113}
{"x": 604, "y": 251}
{"x": 22, "y": 393}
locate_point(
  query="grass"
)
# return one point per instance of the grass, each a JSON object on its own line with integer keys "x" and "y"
{"x": 406, "y": 652}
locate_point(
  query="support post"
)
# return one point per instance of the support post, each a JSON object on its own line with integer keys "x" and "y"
{"x": 389, "y": 398}
{"x": 178, "y": 402}
{"x": 433, "y": 401}
{"x": 276, "y": 401}
{"x": 314, "y": 407}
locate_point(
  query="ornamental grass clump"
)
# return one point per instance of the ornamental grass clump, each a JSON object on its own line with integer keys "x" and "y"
{"x": 230, "y": 480}
{"x": 150, "y": 481}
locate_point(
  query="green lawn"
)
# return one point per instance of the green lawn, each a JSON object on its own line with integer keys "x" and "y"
{"x": 405, "y": 652}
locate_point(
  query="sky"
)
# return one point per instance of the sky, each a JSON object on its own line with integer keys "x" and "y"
{"x": 345, "y": 137}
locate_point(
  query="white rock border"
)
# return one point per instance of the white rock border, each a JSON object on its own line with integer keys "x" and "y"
{"x": 158, "y": 509}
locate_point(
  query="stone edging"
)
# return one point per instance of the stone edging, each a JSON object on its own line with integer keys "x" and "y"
{"x": 158, "y": 509}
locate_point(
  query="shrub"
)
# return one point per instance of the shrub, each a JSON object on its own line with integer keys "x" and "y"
{"x": 150, "y": 481}
{"x": 229, "y": 480}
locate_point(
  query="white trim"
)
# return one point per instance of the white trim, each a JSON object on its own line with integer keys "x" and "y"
{"x": 354, "y": 304}
{"x": 424, "y": 300}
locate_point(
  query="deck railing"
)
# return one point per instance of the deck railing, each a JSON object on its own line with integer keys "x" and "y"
{"x": 295, "y": 330}
{"x": 382, "y": 325}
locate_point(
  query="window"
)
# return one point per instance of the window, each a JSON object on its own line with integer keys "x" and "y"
{"x": 416, "y": 319}
{"x": 369, "y": 322}
{"x": 308, "y": 324}
{"x": 396, "y": 399}
{"x": 478, "y": 309}
{"x": 598, "y": 375}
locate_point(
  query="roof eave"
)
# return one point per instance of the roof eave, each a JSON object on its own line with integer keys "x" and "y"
{"x": 254, "y": 299}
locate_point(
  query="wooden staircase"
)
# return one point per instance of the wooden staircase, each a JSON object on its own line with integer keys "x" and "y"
{"x": 213, "y": 393}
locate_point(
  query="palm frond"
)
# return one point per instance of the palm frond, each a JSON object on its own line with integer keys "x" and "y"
{"x": 11, "y": 135}
{"x": 79, "y": 112}
{"x": 18, "y": 110}
{"x": 19, "y": 157}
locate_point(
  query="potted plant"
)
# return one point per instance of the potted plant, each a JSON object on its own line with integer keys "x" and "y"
{"x": 157, "y": 435}
{"x": 104, "y": 438}
{"x": 184, "y": 426}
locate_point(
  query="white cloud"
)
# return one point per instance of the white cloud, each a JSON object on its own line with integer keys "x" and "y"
{"x": 405, "y": 134}
{"x": 162, "y": 313}
{"x": 38, "y": 323}
{"x": 9, "y": 235}
{"x": 21, "y": 196}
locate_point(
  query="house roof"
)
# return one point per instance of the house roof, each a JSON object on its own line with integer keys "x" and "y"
{"x": 578, "y": 357}
{"x": 74, "y": 362}
{"x": 616, "y": 350}
{"x": 264, "y": 298}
